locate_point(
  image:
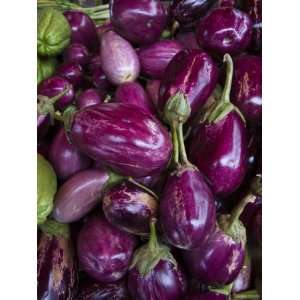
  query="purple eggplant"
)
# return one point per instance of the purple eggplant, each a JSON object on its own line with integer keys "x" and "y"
{"x": 81, "y": 193}
{"x": 225, "y": 30}
{"x": 65, "y": 158}
{"x": 154, "y": 273}
{"x": 206, "y": 296}
{"x": 77, "y": 53}
{"x": 219, "y": 146}
{"x": 73, "y": 72}
{"x": 247, "y": 87}
{"x": 83, "y": 29}
{"x": 155, "y": 57}
{"x": 98, "y": 78}
{"x": 191, "y": 72}
{"x": 139, "y": 21}
{"x": 120, "y": 62}
{"x": 104, "y": 252}
{"x": 89, "y": 97}
{"x": 92, "y": 290}
{"x": 152, "y": 89}
{"x": 106, "y": 26}
{"x": 122, "y": 136}
{"x": 129, "y": 208}
{"x": 187, "y": 39}
{"x": 56, "y": 270}
{"x": 189, "y": 11}
{"x": 133, "y": 93}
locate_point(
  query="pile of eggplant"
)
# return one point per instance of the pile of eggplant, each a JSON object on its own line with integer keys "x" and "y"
{"x": 149, "y": 150}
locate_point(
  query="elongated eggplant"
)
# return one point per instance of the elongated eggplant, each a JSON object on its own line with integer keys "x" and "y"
{"x": 56, "y": 270}
{"x": 122, "y": 136}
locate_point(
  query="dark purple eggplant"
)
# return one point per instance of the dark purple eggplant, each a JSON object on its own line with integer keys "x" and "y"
{"x": 191, "y": 72}
{"x": 187, "y": 39}
{"x": 89, "y": 97}
{"x": 206, "y": 296}
{"x": 73, "y": 72}
{"x": 81, "y": 193}
{"x": 139, "y": 21}
{"x": 77, "y": 53}
{"x": 154, "y": 273}
{"x": 155, "y": 57}
{"x": 92, "y": 290}
{"x": 152, "y": 89}
{"x": 122, "y": 136}
{"x": 83, "y": 29}
{"x": 56, "y": 270}
{"x": 133, "y": 93}
{"x": 219, "y": 146}
{"x": 120, "y": 62}
{"x": 98, "y": 78}
{"x": 104, "y": 252}
{"x": 65, "y": 158}
{"x": 247, "y": 87}
{"x": 106, "y": 26}
{"x": 129, "y": 208}
{"x": 225, "y": 30}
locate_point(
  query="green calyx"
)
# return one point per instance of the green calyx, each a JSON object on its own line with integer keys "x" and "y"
{"x": 52, "y": 227}
{"x": 256, "y": 185}
{"x": 251, "y": 295}
{"x": 224, "y": 290}
{"x": 149, "y": 255}
{"x": 67, "y": 117}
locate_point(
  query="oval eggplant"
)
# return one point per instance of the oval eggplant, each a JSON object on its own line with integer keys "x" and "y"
{"x": 152, "y": 89}
{"x": 206, "y": 296}
{"x": 104, "y": 252}
{"x": 155, "y": 57}
{"x": 77, "y": 53}
{"x": 225, "y": 30}
{"x": 89, "y": 97}
{"x": 191, "y": 72}
{"x": 122, "y": 136}
{"x": 140, "y": 22}
{"x": 73, "y": 72}
{"x": 133, "y": 93}
{"x": 65, "y": 158}
{"x": 129, "y": 208}
{"x": 120, "y": 62}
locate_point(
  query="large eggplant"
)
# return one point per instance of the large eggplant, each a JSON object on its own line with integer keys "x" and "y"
{"x": 56, "y": 270}
{"x": 122, "y": 136}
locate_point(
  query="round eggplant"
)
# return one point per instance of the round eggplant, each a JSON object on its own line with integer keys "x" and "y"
{"x": 73, "y": 72}
{"x": 77, "y": 53}
{"x": 89, "y": 97}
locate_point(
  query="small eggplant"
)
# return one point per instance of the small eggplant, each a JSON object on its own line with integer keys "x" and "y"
{"x": 219, "y": 146}
{"x": 191, "y": 72}
{"x": 129, "y": 208}
{"x": 155, "y": 57}
{"x": 140, "y": 22}
{"x": 133, "y": 93}
{"x": 99, "y": 79}
{"x": 247, "y": 87}
{"x": 104, "y": 252}
{"x": 152, "y": 89}
{"x": 154, "y": 273}
{"x": 106, "y": 26}
{"x": 89, "y": 97}
{"x": 120, "y": 62}
{"x": 206, "y": 296}
{"x": 73, "y": 72}
{"x": 77, "y": 53}
{"x": 187, "y": 39}
{"x": 225, "y": 30}
{"x": 56, "y": 270}
{"x": 126, "y": 138}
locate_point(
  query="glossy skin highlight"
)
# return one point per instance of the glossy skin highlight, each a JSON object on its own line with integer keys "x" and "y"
{"x": 89, "y": 97}
{"x": 77, "y": 53}
{"x": 73, "y": 72}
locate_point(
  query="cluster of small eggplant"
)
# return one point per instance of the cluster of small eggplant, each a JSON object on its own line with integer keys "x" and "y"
{"x": 149, "y": 152}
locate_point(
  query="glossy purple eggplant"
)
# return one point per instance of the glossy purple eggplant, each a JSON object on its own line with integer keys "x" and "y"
{"x": 77, "y": 53}
{"x": 189, "y": 11}
{"x": 139, "y": 21}
{"x": 65, "y": 158}
{"x": 129, "y": 208}
{"x": 187, "y": 39}
{"x": 247, "y": 87}
{"x": 152, "y": 89}
{"x": 56, "y": 270}
{"x": 73, "y": 72}
{"x": 122, "y": 136}
{"x": 191, "y": 72}
{"x": 206, "y": 296}
{"x": 55, "y": 85}
{"x": 225, "y": 30}
{"x": 133, "y": 93}
{"x": 106, "y": 26}
{"x": 120, "y": 62}
{"x": 155, "y": 57}
{"x": 99, "y": 79}
{"x": 83, "y": 29}
{"x": 104, "y": 252}
{"x": 89, "y": 97}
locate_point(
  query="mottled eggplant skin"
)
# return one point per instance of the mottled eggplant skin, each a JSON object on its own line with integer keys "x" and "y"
{"x": 247, "y": 87}
{"x": 164, "y": 282}
{"x": 56, "y": 270}
{"x": 65, "y": 158}
{"x": 218, "y": 260}
{"x": 104, "y": 252}
{"x": 77, "y": 53}
{"x": 191, "y": 72}
{"x": 139, "y": 21}
{"x": 187, "y": 210}
{"x": 129, "y": 208}
{"x": 206, "y": 296}
{"x": 219, "y": 150}
{"x": 126, "y": 138}
{"x": 73, "y": 72}
{"x": 225, "y": 30}
{"x": 79, "y": 195}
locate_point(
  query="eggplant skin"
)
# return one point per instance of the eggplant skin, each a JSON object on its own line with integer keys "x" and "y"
{"x": 56, "y": 271}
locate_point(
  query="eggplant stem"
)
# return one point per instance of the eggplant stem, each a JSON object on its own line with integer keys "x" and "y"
{"x": 225, "y": 98}
{"x": 175, "y": 144}
{"x": 182, "y": 152}
{"x": 251, "y": 295}
{"x": 153, "y": 242}
{"x": 131, "y": 180}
